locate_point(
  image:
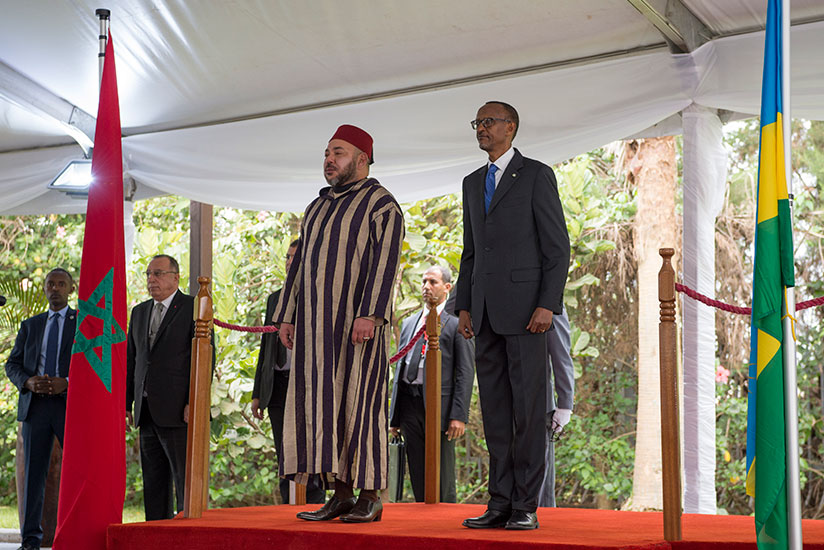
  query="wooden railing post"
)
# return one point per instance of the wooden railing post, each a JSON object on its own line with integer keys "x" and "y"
{"x": 196, "y": 492}
{"x": 670, "y": 422}
{"x": 432, "y": 484}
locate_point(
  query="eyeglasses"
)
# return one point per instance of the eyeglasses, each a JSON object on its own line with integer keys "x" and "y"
{"x": 157, "y": 272}
{"x": 486, "y": 122}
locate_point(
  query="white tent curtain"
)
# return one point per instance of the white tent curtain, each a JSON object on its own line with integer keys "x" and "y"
{"x": 423, "y": 143}
{"x": 705, "y": 175}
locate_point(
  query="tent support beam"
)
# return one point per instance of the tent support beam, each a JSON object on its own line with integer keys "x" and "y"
{"x": 25, "y": 92}
{"x": 200, "y": 243}
{"x": 680, "y": 27}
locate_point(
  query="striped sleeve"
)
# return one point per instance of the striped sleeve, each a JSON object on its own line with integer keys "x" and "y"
{"x": 386, "y": 233}
{"x": 287, "y": 303}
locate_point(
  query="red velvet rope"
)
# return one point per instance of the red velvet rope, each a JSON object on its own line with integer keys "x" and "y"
{"x": 735, "y": 309}
{"x": 272, "y": 328}
{"x": 408, "y": 347}
{"x": 240, "y": 328}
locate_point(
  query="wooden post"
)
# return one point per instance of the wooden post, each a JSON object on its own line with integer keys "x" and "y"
{"x": 670, "y": 421}
{"x": 298, "y": 493}
{"x": 196, "y": 492}
{"x": 432, "y": 482}
{"x": 201, "y": 216}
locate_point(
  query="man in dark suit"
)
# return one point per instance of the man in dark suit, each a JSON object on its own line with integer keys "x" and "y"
{"x": 561, "y": 378}
{"x": 158, "y": 363}
{"x": 513, "y": 270}
{"x": 39, "y": 366}
{"x": 271, "y": 383}
{"x": 407, "y": 413}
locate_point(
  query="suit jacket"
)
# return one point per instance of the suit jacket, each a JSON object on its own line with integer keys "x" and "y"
{"x": 272, "y": 354}
{"x": 22, "y": 362}
{"x": 515, "y": 257}
{"x": 457, "y": 370}
{"x": 562, "y": 373}
{"x": 162, "y": 371}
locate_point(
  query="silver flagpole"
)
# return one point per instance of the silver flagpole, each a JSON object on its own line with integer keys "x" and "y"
{"x": 103, "y": 16}
{"x": 790, "y": 380}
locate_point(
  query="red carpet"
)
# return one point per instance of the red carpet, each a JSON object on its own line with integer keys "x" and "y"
{"x": 430, "y": 527}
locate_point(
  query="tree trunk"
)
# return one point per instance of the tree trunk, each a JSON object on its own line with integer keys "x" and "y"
{"x": 653, "y": 168}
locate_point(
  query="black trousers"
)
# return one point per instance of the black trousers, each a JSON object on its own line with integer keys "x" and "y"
{"x": 412, "y": 419}
{"x": 512, "y": 382}
{"x": 315, "y": 494}
{"x": 546, "y": 498}
{"x": 163, "y": 459}
{"x": 46, "y": 420}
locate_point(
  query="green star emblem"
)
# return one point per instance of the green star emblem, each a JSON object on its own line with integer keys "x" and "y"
{"x": 112, "y": 332}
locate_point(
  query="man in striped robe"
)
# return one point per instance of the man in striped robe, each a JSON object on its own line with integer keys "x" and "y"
{"x": 334, "y": 314}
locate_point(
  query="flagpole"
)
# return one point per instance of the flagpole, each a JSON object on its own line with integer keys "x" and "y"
{"x": 788, "y": 345}
{"x": 103, "y": 15}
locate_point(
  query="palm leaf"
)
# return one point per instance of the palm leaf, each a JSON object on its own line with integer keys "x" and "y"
{"x": 24, "y": 299}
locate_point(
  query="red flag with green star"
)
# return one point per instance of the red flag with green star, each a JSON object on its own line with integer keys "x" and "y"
{"x": 93, "y": 477}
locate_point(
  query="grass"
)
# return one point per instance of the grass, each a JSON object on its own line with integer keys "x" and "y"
{"x": 9, "y": 519}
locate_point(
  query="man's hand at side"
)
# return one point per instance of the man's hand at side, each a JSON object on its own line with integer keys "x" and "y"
{"x": 286, "y": 332}
{"x": 456, "y": 429}
{"x": 540, "y": 321}
{"x": 465, "y": 325}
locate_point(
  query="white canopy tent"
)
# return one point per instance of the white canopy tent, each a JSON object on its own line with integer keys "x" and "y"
{"x": 231, "y": 103}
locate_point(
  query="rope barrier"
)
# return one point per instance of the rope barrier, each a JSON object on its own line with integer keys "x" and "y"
{"x": 695, "y": 295}
{"x": 271, "y": 328}
{"x": 241, "y": 328}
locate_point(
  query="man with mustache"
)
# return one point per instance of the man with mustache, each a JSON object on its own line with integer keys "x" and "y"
{"x": 334, "y": 313}
{"x": 513, "y": 270}
{"x": 39, "y": 366}
{"x": 407, "y": 414}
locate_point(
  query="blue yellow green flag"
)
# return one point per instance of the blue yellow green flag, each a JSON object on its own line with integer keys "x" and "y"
{"x": 773, "y": 272}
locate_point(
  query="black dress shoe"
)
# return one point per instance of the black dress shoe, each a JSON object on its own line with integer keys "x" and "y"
{"x": 491, "y": 519}
{"x": 330, "y": 510}
{"x": 365, "y": 511}
{"x": 522, "y": 521}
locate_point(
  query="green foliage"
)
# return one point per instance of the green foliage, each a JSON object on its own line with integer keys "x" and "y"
{"x": 595, "y": 456}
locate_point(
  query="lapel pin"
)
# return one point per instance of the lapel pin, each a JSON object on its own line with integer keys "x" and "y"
{"x": 513, "y": 175}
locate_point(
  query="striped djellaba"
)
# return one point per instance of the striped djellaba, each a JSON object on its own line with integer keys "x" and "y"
{"x": 345, "y": 266}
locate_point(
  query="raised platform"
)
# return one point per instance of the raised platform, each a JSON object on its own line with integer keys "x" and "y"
{"x": 429, "y": 527}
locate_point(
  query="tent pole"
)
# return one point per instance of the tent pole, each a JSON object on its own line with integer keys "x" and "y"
{"x": 103, "y": 16}
{"x": 200, "y": 243}
{"x": 790, "y": 379}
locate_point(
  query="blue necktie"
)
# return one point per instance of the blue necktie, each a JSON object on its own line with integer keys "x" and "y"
{"x": 489, "y": 187}
{"x": 51, "y": 346}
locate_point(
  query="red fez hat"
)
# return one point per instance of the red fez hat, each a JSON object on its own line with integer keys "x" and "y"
{"x": 357, "y": 137}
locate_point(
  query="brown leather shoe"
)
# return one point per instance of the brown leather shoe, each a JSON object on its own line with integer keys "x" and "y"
{"x": 330, "y": 510}
{"x": 365, "y": 511}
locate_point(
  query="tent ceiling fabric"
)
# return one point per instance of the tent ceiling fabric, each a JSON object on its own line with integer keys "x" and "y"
{"x": 213, "y": 95}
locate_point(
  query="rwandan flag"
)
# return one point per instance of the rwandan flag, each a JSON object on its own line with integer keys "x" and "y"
{"x": 93, "y": 480}
{"x": 773, "y": 272}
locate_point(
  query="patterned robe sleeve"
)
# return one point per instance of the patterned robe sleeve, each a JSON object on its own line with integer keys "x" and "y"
{"x": 386, "y": 234}
{"x": 287, "y": 303}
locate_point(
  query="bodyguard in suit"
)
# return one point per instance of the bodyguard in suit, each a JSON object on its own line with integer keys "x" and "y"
{"x": 158, "y": 362}
{"x": 271, "y": 383}
{"x": 513, "y": 270}
{"x": 561, "y": 377}
{"x": 407, "y": 413}
{"x": 39, "y": 367}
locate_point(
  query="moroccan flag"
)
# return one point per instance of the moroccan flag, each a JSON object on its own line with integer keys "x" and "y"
{"x": 773, "y": 272}
{"x": 93, "y": 478}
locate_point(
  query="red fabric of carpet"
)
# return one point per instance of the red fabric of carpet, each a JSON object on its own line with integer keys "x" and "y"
{"x": 429, "y": 527}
